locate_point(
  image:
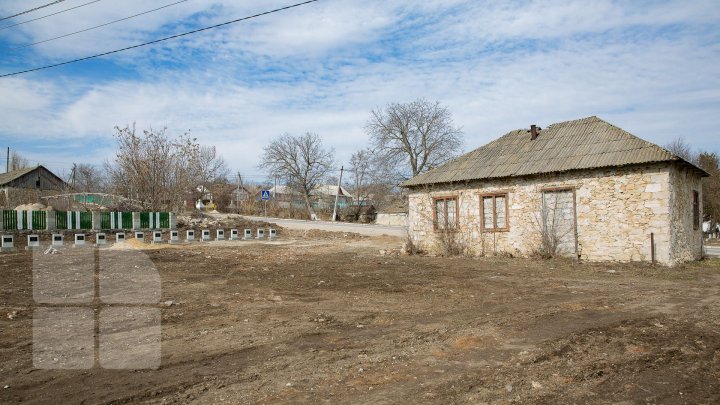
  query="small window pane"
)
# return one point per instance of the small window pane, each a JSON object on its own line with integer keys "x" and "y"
{"x": 440, "y": 213}
{"x": 500, "y": 212}
{"x": 450, "y": 213}
{"x": 487, "y": 212}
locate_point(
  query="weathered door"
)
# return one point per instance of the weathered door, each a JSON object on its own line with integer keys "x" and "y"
{"x": 558, "y": 222}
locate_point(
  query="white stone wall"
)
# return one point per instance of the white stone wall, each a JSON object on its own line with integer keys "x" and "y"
{"x": 686, "y": 241}
{"x": 391, "y": 219}
{"x": 617, "y": 210}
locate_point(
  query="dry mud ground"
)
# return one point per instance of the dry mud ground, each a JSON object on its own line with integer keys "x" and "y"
{"x": 330, "y": 320}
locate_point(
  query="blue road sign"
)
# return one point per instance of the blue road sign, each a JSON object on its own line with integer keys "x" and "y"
{"x": 265, "y": 196}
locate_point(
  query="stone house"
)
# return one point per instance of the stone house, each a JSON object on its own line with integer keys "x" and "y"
{"x": 582, "y": 188}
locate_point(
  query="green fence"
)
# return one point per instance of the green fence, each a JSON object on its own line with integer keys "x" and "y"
{"x": 106, "y": 220}
{"x": 73, "y": 220}
{"x": 61, "y": 219}
{"x": 13, "y": 220}
{"x": 144, "y": 220}
{"x": 85, "y": 220}
{"x": 9, "y": 219}
{"x": 38, "y": 220}
{"x": 125, "y": 219}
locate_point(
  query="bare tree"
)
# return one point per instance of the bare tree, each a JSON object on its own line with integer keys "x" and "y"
{"x": 209, "y": 167}
{"x": 710, "y": 162}
{"x": 361, "y": 165}
{"x": 87, "y": 178}
{"x": 414, "y": 137}
{"x": 153, "y": 168}
{"x": 301, "y": 161}
{"x": 18, "y": 162}
{"x": 679, "y": 147}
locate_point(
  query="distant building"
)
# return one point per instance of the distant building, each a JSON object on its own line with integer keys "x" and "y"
{"x": 240, "y": 195}
{"x": 29, "y": 184}
{"x": 324, "y": 196}
{"x": 590, "y": 188}
{"x": 36, "y": 178}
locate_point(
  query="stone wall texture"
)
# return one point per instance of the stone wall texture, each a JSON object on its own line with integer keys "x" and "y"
{"x": 616, "y": 211}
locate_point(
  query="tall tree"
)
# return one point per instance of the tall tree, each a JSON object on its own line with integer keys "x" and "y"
{"x": 209, "y": 168}
{"x": 302, "y": 161}
{"x": 361, "y": 164}
{"x": 710, "y": 162}
{"x": 18, "y": 162}
{"x": 153, "y": 167}
{"x": 87, "y": 178}
{"x": 413, "y": 137}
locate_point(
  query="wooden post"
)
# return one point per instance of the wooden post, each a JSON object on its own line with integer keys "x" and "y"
{"x": 652, "y": 248}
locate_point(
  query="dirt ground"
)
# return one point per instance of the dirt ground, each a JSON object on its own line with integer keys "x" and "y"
{"x": 316, "y": 318}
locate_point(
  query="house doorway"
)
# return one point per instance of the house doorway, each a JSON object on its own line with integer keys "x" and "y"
{"x": 559, "y": 222}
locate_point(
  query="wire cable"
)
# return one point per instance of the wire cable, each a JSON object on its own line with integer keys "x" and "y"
{"x": 99, "y": 26}
{"x": 49, "y": 15}
{"x": 160, "y": 40}
{"x": 31, "y": 10}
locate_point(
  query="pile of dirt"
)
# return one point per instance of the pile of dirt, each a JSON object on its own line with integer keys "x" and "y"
{"x": 208, "y": 222}
{"x": 34, "y": 207}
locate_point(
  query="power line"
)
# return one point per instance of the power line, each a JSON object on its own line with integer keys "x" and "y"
{"x": 160, "y": 40}
{"x": 31, "y": 10}
{"x": 99, "y": 26}
{"x": 49, "y": 15}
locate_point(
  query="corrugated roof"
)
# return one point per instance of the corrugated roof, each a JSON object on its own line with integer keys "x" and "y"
{"x": 6, "y": 178}
{"x": 586, "y": 143}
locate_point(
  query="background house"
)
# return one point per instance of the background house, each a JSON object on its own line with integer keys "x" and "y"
{"x": 324, "y": 196}
{"x": 581, "y": 188}
{"x": 28, "y": 185}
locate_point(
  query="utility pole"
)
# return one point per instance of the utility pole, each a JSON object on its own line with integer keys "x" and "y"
{"x": 7, "y": 165}
{"x": 274, "y": 201}
{"x": 337, "y": 195}
{"x": 237, "y": 193}
{"x": 72, "y": 176}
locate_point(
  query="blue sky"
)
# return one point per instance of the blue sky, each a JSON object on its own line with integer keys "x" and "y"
{"x": 650, "y": 67}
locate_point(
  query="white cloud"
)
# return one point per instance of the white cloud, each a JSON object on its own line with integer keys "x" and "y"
{"x": 649, "y": 68}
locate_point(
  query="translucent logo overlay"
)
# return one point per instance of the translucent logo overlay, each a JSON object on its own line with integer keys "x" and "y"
{"x": 96, "y": 308}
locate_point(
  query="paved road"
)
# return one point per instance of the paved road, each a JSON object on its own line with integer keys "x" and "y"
{"x": 712, "y": 251}
{"x": 363, "y": 229}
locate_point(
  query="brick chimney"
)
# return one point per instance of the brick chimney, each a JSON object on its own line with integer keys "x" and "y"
{"x": 533, "y": 132}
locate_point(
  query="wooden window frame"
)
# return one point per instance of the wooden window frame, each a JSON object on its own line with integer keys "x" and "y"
{"x": 696, "y": 210}
{"x": 494, "y": 211}
{"x": 434, "y": 211}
